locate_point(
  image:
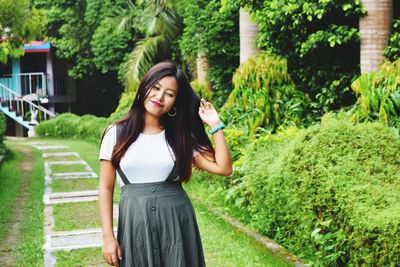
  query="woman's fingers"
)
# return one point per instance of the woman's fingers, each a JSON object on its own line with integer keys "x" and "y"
{"x": 119, "y": 253}
{"x": 115, "y": 261}
{"x": 108, "y": 259}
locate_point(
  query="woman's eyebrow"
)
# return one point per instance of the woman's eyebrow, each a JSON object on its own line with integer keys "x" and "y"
{"x": 157, "y": 83}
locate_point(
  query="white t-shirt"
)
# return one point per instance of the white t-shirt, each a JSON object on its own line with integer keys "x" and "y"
{"x": 148, "y": 159}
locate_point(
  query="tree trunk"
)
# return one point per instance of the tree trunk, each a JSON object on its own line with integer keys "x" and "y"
{"x": 202, "y": 69}
{"x": 375, "y": 29}
{"x": 248, "y": 35}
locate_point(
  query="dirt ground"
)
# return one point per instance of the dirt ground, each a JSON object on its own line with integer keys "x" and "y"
{"x": 12, "y": 239}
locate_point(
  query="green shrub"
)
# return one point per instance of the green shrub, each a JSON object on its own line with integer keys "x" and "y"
{"x": 202, "y": 90}
{"x": 379, "y": 95}
{"x": 88, "y": 127}
{"x": 215, "y": 33}
{"x": 392, "y": 51}
{"x": 329, "y": 193}
{"x": 3, "y": 128}
{"x": 319, "y": 39}
{"x": 124, "y": 105}
{"x": 264, "y": 96}
{"x": 237, "y": 139}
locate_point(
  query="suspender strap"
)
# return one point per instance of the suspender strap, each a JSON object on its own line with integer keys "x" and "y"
{"x": 172, "y": 175}
{"x": 123, "y": 176}
{"x": 120, "y": 172}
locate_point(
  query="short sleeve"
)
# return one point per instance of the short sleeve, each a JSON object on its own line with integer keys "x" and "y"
{"x": 108, "y": 143}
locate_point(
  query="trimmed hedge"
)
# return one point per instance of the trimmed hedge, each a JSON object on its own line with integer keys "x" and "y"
{"x": 88, "y": 127}
{"x": 329, "y": 193}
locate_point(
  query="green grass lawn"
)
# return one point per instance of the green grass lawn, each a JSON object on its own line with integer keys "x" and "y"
{"x": 80, "y": 258}
{"x": 77, "y": 184}
{"x": 10, "y": 180}
{"x": 68, "y": 168}
{"x": 28, "y": 251}
{"x": 78, "y": 215}
{"x": 223, "y": 244}
{"x": 63, "y": 158}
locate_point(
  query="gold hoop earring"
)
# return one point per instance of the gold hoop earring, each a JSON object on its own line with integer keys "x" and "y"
{"x": 172, "y": 115}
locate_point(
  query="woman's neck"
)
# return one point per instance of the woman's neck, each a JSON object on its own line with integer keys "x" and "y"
{"x": 151, "y": 124}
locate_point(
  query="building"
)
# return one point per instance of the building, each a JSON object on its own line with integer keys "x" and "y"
{"x": 36, "y": 83}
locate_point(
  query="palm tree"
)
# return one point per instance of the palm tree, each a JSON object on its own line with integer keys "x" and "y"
{"x": 375, "y": 28}
{"x": 161, "y": 24}
{"x": 203, "y": 68}
{"x": 248, "y": 33}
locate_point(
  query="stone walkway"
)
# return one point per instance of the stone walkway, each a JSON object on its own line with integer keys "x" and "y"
{"x": 66, "y": 240}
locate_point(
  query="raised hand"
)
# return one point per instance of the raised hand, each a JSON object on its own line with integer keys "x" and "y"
{"x": 208, "y": 114}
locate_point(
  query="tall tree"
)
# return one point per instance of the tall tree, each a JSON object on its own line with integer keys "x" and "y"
{"x": 248, "y": 35}
{"x": 19, "y": 23}
{"x": 161, "y": 26}
{"x": 375, "y": 29}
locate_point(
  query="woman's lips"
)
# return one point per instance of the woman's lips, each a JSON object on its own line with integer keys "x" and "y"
{"x": 156, "y": 104}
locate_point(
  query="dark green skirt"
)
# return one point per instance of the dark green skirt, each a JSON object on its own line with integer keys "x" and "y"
{"x": 157, "y": 226}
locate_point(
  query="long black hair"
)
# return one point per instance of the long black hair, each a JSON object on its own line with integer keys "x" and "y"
{"x": 184, "y": 131}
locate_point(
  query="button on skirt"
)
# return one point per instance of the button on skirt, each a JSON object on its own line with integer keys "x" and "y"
{"x": 157, "y": 226}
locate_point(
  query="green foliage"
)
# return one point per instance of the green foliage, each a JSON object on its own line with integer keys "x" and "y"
{"x": 329, "y": 194}
{"x": 109, "y": 46}
{"x": 202, "y": 89}
{"x": 160, "y": 24}
{"x": 125, "y": 103}
{"x": 19, "y": 23}
{"x": 392, "y": 51}
{"x": 3, "y": 128}
{"x": 379, "y": 95}
{"x": 215, "y": 33}
{"x": 237, "y": 139}
{"x": 87, "y": 127}
{"x": 82, "y": 33}
{"x": 264, "y": 97}
{"x": 319, "y": 39}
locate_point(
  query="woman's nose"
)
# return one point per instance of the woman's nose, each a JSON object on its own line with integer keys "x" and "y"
{"x": 160, "y": 95}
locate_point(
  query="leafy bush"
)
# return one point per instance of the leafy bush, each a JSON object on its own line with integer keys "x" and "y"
{"x": 319, "y": 39}
{"x": 379, "y": 95}
{"x": 329, "y": 193}
{"x": 202, "y": 90}
{"x": 215, "y": 33}
{"x": 3, "y": 128}
{"x": 124, "y": 105}
{"x": 392, "y": 51}
{"x": 264, "y": 96}
{"x": 69, "y": 125}
{"x": 237, "y": 139}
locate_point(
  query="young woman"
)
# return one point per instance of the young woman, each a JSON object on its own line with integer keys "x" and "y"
{"x": 151, "y": 151}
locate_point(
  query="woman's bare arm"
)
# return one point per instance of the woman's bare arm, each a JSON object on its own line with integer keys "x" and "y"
{"x": 106, "y": 191}
{"x": 221, "y": 162}
{"x": 111, "y": 249}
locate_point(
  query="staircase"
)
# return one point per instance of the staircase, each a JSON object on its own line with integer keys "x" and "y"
{"x": 21, "y": 108}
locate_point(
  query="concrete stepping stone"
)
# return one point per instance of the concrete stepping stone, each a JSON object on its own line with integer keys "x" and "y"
{"x": 74, "y": 196}
{"x": 68, "y": 175}
{"x": 51, "y": 147}
{"x": 76, "y": 239}
{"x": 69, "y": 162}
{"x": 60, "y": 154}
{"x": 72, "y": 175}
